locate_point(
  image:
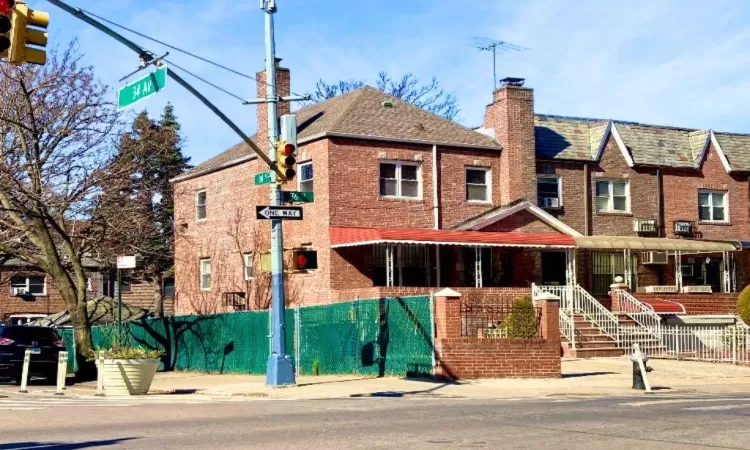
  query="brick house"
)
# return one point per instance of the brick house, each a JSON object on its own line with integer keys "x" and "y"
{"x": 406, "y": 201}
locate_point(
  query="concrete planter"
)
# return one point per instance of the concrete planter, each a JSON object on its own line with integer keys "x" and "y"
{"x": 128, "y": 376}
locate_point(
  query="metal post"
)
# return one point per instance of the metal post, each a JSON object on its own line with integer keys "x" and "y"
{"x": 25, "y": 371}
{"x": 297, "y": 330}
{"x": 478, "y": 267}
{"x": 437, "y": 265}
{"x": 432, "y": 331}
{"x": 119, "y": 302}
{"x": 100, "y": 374}
{"x": 389, "y": 265}
{"x": 678, "y": 270}
{"x": 399, "y": 259}
{"x": 62, "y": 372}
{"x": 280, "y": 369}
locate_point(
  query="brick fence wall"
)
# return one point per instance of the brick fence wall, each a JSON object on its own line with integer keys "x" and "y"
{"x": 698, "y": 304}
{"x": 473, "y": 357}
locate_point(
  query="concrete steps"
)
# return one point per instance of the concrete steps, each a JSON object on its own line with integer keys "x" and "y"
{"x": 591, "y": 341}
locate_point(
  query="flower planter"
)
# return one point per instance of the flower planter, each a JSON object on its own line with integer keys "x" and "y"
{"x": 128, "y": 376}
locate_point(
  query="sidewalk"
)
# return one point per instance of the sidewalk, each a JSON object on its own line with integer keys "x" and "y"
{"x": 602, "y": 376}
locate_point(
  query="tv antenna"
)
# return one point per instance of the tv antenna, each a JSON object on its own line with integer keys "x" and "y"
{"x": 491, "y": 45}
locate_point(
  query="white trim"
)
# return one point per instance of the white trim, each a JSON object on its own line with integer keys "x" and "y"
{"x": 465, "y": 244}
{"x": 435, "y": 203}
{"x": 213, "y": 169}
{"x": 487, "y": 183}
{"x": 711, "y": 192}
{"x": 205, "y": 205}
{"x": 399, "y": 179}
{"x": 722, "y": 155}
{"x": 603, "y": 142}
{"x": 201, "y": 274}
{"x": 245, "y": 266}
{"x": 621, "y": 144}
{"x": 28, "y": 285}
{"x": 541, "y": 214}
{"x": 299, "y": 178}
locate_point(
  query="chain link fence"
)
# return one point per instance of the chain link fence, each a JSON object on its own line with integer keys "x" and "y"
{"x": 388, "y": 336}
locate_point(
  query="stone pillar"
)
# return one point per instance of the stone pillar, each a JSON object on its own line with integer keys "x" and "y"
{"x": 550, "y": 322}
{"x": 618, "y": 285}
{"x": 447, "y": 314}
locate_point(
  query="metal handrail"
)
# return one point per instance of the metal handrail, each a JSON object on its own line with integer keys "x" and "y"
{"x": 576, "y": 300}
{"x": 568, "y": 328}
{"x": 640, "y": 313}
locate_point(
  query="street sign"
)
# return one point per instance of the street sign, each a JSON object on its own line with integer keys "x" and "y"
{"x": 126, "y": 262}
{"x": 262, "y": 178}
{"x": 278, "y": 212}
{"x": 297, "y": 197}
{"x": 142, "y": 88}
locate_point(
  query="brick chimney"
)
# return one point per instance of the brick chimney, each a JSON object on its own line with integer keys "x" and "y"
{"x": 511, "y": 115}
{"x": 283, "y": 89}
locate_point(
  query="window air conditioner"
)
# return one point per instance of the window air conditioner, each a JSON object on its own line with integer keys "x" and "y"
{"x": 654, "y": 257}
{"x": 550, "y": 202}
{"x": 19, "y": 291}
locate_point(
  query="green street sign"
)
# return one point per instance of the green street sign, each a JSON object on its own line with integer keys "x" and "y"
{"x": 262, "y": 178}
{"x": 297, "y": 197}
{"x": 142, "y": 88}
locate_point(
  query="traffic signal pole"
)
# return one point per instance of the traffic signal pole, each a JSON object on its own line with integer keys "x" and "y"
{"x": 280, "y": 369}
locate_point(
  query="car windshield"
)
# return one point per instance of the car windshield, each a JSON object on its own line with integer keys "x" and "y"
{"x": 26, "y": 335}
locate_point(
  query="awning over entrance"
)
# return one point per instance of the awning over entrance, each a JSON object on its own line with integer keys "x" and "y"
{"x": 351, "y": 236}
{"x": 652, "y": 244}
{"x": 661, "y": 306}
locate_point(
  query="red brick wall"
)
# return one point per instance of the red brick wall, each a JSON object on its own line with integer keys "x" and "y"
{"x": 511, "y": 115}
{"x": 697, "y": 304}
{"x": 681, "y": 198}
{"x": 46, "y": 304}
{"x": 573, "y": 187}
{"x": 521, "y": 222}
{"x": 471, "y": 357}
{"x": 283, "y": 88}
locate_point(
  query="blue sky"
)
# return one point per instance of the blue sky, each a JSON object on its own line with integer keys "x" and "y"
{"x": 683, "y": 63}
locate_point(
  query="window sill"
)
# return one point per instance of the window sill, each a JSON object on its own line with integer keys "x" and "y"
{"x": 711, "y": 222}
{"x": 201, "y": 220}
{"x": 400, "y": 199}
{"x": 478, "y": 203}
{"x": 555, "y": 209}
{"x": 615, "y": 213}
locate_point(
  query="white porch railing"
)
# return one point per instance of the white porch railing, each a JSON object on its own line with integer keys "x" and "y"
{"x": 576, "y": 300}
{"x": 568, "y": 328}
{"x": 711, "y": 344}
{"x": 648, "y": 333}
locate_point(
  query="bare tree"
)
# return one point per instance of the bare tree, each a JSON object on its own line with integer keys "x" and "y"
{"x": 56, "y": 157}
{"x": 429, "y": 96}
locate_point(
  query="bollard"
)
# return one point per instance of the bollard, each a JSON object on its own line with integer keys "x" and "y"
{"x": 100, "y": 374}
{"x": 25, "y": 371}
{"x": 62, "y": 372}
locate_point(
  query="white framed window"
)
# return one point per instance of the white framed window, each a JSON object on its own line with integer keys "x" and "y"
{"x": 35, "y": 285}
{"x": 712, "y": 206}
{"x": 305, "y": 179}
{"x": 612, "y": 196}
{"x": 205, "y": 269}
{"x": 400, "y": 180}
{"x": 248, "y": 260}
{"x": 549, "y": 191}
{"x": 200, "y": 204}
{"x": 478, "y": 184}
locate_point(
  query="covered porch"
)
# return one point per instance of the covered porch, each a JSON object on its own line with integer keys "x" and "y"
{"x": 401, "y": 257}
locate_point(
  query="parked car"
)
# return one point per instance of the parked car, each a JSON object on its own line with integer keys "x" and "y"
{"x": 45, "y": 345}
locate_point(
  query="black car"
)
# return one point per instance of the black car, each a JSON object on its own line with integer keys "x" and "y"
{"x": 45, "y": 345}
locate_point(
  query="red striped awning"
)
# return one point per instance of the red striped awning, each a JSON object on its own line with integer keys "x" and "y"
{"x": 352, "y": 236}
{"x": 661, "y": 306}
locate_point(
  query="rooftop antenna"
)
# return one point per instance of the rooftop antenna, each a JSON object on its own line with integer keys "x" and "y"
{"x": 491, "y": 45}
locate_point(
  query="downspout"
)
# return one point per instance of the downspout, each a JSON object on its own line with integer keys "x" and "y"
{"x": 660, "y": 215}
{"x": 586, "y": 200}
{"x": 436, "y": 210}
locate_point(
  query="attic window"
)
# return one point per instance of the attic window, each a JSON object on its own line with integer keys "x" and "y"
{"x": 387, "y": 104}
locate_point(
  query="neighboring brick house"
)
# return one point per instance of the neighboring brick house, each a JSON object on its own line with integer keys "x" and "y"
{"x": 406, "y": 201}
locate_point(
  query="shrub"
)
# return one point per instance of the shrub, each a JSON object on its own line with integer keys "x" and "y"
{"x": 522, "y": 321}
{"x": 743, "y": 305}
{"x": 316, "y": 367}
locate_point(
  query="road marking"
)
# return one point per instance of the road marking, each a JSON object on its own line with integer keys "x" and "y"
{"x": 683, "y": 400}
{"x": 33, "y": 403}
{"x": 717, "y": 408}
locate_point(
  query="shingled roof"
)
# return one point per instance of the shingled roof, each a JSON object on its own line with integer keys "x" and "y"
{"x": 365, "y": 113}
{"x": 580, "y": 139}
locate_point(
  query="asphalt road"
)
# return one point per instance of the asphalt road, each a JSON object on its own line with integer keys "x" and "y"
{"x": 642, "y": 422}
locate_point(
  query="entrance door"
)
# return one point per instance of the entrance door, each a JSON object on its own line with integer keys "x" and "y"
{"x": 553, "y": 268}
{"x": 607, "y": 266}
{"x": 714, "y": 274}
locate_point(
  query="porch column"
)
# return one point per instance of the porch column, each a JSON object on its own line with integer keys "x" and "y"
{"x": 726, "y": 282}
{"x": 570, "y": 267}
{"x": 427, "y": 264}
{"x": 628, "y": 268}
{"x": 733, "y": 272}
{"x": 678, "y": 270}
{"x": 437, "y": 265}
{"x": 388, "y": 265}
{"x": 478, "y": 267}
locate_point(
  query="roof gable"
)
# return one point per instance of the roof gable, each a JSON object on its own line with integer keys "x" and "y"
{"x": 499, "y": 213}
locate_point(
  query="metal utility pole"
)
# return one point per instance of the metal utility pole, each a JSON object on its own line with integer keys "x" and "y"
{"x": 280, "y": 369}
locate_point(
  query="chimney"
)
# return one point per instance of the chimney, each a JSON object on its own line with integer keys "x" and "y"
{"x": 283, "y": 89}
{"x": 511, "y": 115}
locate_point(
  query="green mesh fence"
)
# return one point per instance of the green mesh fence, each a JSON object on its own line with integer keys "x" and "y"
{"x": 379, "y": 337}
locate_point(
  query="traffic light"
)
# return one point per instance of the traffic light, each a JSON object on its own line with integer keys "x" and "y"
{"x": 6, "y": 24}
{"x": 287, "y": 149}
{"x": 285, "y": 160}
{"x": 25, "y": 31}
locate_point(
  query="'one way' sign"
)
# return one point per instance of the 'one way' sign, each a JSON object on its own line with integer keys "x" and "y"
{"x": 278, "y": 212}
